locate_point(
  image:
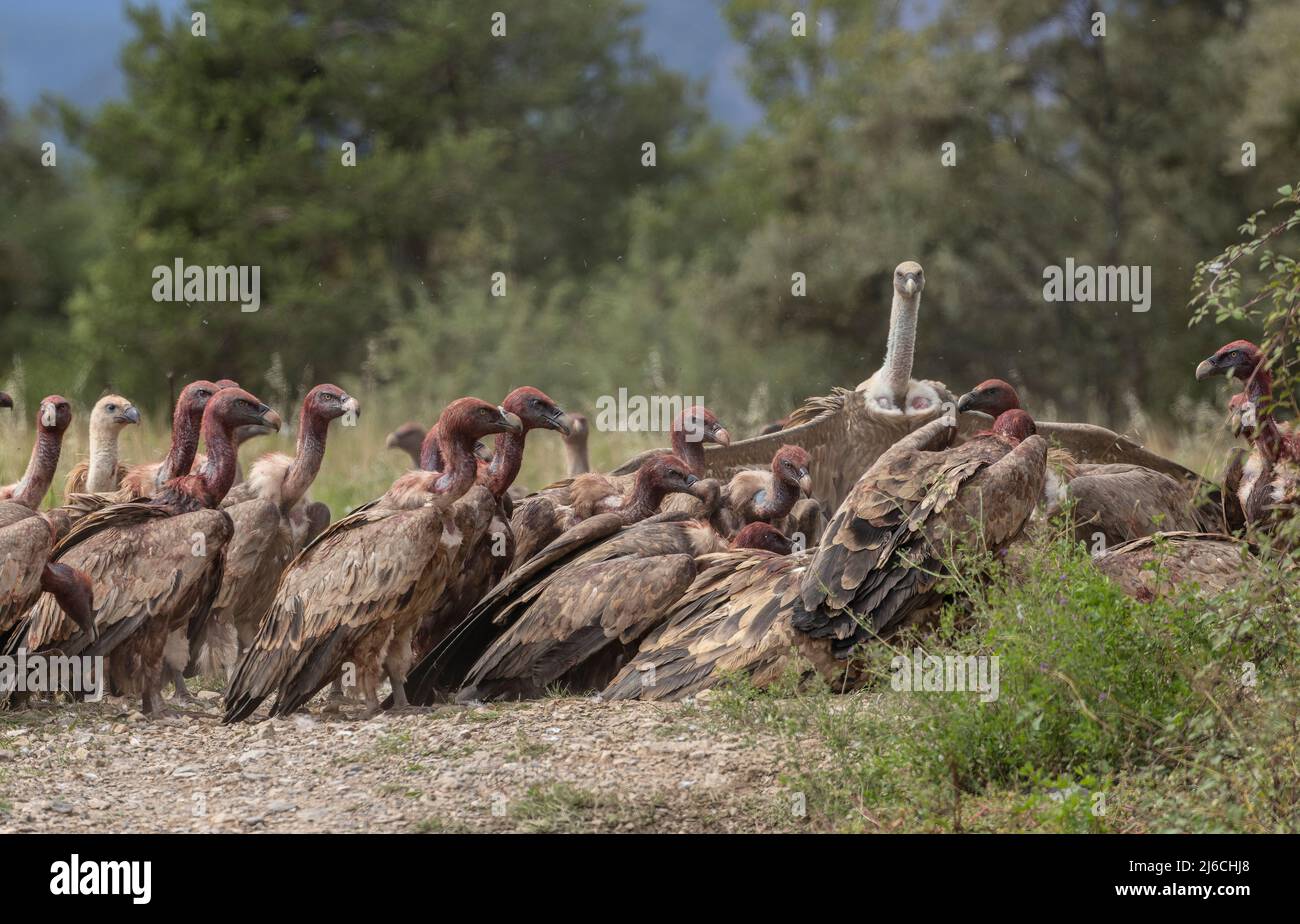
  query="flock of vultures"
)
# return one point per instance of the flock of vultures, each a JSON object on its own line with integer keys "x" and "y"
{"x": 716, "y": 557}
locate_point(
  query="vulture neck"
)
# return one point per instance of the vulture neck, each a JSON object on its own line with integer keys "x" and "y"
{"x": 30, "y": 491}
{"x": 185, "y": 445}
{"x": 101, "y": 475}
{"x": 780, "y": 500}
{"x": 647, "y": 494}
{"x": 460, "y": 465}
{"x": 1259, "y": 384}
{"x": 217, "y": 474}
{"x": 575, "y": 450}
{"x": 312, "y": 432}
{"x": 689, "y": 451}
{"x": 429, "y": 458}
{"x": 507, "y": 458}
{"x": 901, "y": 345}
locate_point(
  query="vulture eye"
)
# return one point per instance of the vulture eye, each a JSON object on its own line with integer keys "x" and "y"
{"x": 112, "y": 408}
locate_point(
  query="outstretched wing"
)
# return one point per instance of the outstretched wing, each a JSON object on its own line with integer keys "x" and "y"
{"x": 1090, "y": 443}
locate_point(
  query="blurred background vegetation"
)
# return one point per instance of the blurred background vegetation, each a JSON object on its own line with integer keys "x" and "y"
{"x": 522, "y": 155}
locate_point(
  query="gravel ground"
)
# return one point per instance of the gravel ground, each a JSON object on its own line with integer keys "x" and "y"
{"x": 551, "y": 765}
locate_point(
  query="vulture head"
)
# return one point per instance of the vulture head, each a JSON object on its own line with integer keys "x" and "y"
{"x": 474, "y": 418}
{"x": 112, "y": 414}
{"x": 909, "y": 279}
{"x": 232, "y": 408}
{"x": 664, "y": 474}
{"x": 5, "y": 400}
{"x": 578, "y": 429}
{"x": 698, "y": 424}
{"x": 992, "y": 396}
{"x": 537, "y": 411}
{"x": 763, "y": 536}
{"x": 54, "y": 415}
{"x": 1015, "y": 424}
{"x": 407, "y": 438}
{"x": 193, "y": 400}
{"x": 790, "y": 464}
{"x": 1239, "y": 359}
{"x": 329, "y": 402}
{"x": 226, "y": 383}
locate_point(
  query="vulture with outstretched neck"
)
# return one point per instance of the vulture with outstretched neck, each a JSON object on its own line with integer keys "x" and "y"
{"x": 103, "y": 471}
{"x": 883, "y": 552}
{"x": 776, "y": 496}
{"x": 846, "y": 431}
{"x": 442, "y": 671}
{"x": 734, "y": 620}
{"x": 1261, "y": 487}
{"x": 1121, "y": 501}
{"x": 52, "y": 420}
{"x": 488, "y": 545}
{"x": 155, "y": 565}
{"x": 349, "y": 604}
{"x": 268, "y": 511}
{"x": 539, "y": 518}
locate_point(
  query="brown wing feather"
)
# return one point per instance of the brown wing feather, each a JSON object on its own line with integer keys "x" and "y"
{"x": 1212, "y": 562}
{"x": 734, "y": 619}
{"x": 359, "y": 576}
{"x": 24, "y": 548}
{"x": 141, "y": 564}
{"x": 878, "y": 562}
{"x": 580, "y": 626}
{"x": 256, "y": 556}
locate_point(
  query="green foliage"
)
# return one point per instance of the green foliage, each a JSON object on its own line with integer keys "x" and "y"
{"x": 1190, "y": 696}
{"x": 1266, "y": 295}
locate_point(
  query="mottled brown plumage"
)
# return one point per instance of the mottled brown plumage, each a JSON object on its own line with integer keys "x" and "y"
{"x": 269, "y": 515}
{"x": 539, "y": 519}
{"x": 488, "y": 547}
{"x": 734, "y": 619}
{"x": 877, "y": 566}
{"x": 155, "y": 565}
{"x": 1117, "y": 501}
{"x": 574, "y": 624}
{"x": 356, "y": 594}
{"x": 441, "y": 671}
{"x": 1155, "y": 565}
{"x": 26, "y": 540}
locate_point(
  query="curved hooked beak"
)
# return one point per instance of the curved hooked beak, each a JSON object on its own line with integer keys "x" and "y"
{"x": 910, "y": 285}
{"x": 691, "y": 480}
{"x": 965, "y": 401}
{"x": 722, "y": 437}
{"x": 510, "y": 422}
{"x": 5, "y": 400}
{"x": 391, "y": 441}
{"x": 1205, "y": 369}
{"x": 130, "y": 415}
{"x": 351, "y": 406}
{"x": 805, "y": 482}
{"x": 270, "y": 419}
{"x": 558, "y": 420}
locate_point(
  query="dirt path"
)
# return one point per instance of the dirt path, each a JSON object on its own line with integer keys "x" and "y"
{"x": 551, "y": 765}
